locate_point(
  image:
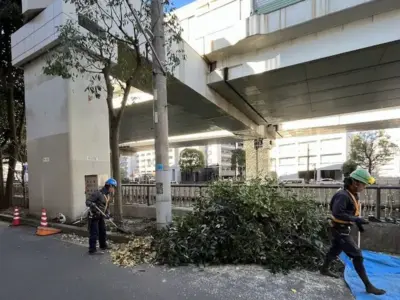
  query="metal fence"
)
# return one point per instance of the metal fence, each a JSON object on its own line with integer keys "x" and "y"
{"x": 21, "y": 196}
{"x": 183, "y": 195}
{"x": 378, "y": 201}
{"x": 381, "y": 201}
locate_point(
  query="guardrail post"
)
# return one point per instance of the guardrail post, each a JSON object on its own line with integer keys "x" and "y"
{"x": 148, "y": 194}
{"x": 378, "y": 203}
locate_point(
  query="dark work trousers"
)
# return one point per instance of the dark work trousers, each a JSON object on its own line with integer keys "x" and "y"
{"x": 97, "y": 231}
{"x": 342, "y": 241}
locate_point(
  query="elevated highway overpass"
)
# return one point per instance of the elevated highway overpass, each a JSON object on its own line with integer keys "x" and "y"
{"x": 247, "y": 68}
{"x": 308, "y": 60}
{"x": 352, "y": 122}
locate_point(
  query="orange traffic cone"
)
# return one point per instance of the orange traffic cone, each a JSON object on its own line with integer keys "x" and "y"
{"x": 43, "y": 229}
{"x": 16, "y": 220}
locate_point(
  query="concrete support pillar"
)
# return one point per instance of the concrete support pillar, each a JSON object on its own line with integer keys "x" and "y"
{"x": 67, "y": 138}
{"x": 263, "y": 160}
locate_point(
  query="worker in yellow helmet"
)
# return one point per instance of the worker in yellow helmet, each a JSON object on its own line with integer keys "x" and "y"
{"x": 345, "y": 212}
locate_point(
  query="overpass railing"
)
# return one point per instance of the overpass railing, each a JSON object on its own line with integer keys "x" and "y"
{"x": 378, "y": 201}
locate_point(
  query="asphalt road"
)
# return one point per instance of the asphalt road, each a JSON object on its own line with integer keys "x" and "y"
{"x": 36, "y": 268}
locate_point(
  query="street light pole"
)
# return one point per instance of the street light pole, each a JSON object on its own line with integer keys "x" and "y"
{"x": 163, "y": 182}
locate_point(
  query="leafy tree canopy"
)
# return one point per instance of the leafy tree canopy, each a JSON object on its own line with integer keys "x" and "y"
{"x": 238, "y": 158}
{"x": 11, "y": 79}
{"x": 191, "y": 160}
{"x": 372, "y": 149}
{"x": 348, "y": 167}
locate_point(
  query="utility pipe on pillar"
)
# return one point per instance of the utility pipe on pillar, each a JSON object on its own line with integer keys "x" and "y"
{"x": 256, "y": 162}
{"x": 258, "y": 143}
{"x": 308, "y": 164}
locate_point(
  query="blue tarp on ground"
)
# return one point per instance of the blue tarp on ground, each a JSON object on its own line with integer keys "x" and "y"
{"x": 383, "y": 271}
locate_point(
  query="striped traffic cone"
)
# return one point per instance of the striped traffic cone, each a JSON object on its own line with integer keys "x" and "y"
{"x": 43, "y": 219}
{"x": 16, "y": 220}
{"x": 43, "y": 229}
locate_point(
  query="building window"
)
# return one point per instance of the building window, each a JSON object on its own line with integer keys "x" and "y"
{"x": 305, "y": 146}
{"x": 331, "y": 145}
{"x": 331, "y": 159}
{"x": 91, "y": 26}
{"x": 287, "y": 161}
{"x": 268, "y": 6}
{"x": 303, "y": 160}
{"x": 287, "y": 150}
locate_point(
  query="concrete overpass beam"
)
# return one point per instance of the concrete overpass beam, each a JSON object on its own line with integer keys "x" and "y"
{"x": 268, "y": 131}
{"x": 306, "y": 48}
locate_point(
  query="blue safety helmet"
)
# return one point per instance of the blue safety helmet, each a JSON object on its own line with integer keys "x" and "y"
{"x": 111, "y": 182}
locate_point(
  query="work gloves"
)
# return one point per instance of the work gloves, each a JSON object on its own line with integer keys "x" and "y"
{"x": 360, "y": 222}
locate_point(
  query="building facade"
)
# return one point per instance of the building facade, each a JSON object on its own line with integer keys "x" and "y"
{"x": 217, "y": 156}
{"x": 321, "y": 156}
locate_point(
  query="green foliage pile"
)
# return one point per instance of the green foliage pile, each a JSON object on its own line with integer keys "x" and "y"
{"x": 254, "y": 223}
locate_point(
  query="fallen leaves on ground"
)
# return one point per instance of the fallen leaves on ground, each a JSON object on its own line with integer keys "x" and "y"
{"x": 76, "y": 239}
{"x": 138, "y": 251}
{"x": 80, "y": 240}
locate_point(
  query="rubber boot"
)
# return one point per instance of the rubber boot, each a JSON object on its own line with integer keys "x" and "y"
{"x": 370, "y": 288}
{"x": 325, "y": 268}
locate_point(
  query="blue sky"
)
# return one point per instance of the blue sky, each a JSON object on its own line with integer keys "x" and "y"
{"x": 180, "y": 3}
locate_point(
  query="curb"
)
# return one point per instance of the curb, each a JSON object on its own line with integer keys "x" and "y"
{"x": 80, "y": 231}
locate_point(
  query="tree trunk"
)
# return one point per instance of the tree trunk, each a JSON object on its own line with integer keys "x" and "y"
{"x": 23, "y": 184}
{"x": 2, "y": 198}
{"x": 13, "y": 152}
{"x": 114, "y": 147}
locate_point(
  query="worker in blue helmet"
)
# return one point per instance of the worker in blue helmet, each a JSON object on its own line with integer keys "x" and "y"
{"x": 99, "y": 200}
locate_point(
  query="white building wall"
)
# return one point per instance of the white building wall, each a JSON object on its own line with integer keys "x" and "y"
{"x": 392, "y": 168}
{"x": 143, "y": 162}
{"x": 289, "y": 156}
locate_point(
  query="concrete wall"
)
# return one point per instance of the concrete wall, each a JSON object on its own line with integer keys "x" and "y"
{"x": 67, "y": 138}
{"x": 380, "y": 237}
{"x": 325, "y": 43}
{"x": 200, "y": 28}
{"x": 238, "y": 20}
